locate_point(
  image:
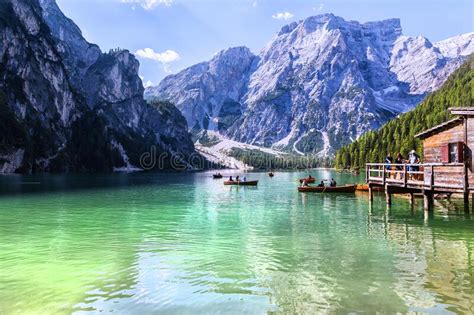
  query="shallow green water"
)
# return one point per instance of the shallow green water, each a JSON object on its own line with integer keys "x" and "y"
{"x": 185, "y": 244}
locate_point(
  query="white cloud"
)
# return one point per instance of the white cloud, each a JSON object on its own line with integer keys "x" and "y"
{"x": 320, "y": 8}
{"x": 165, "y": 57}
{"x": 149, "y": 4}
{"x": 283, "y": 15}
{"x": 147, "y": 84}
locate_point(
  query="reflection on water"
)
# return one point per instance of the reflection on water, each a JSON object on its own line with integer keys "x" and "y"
{"x": 185, "y": 244}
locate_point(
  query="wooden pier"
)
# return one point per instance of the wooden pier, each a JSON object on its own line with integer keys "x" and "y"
{"x": 447, "y": 166}
{"x": 429, "y": 180}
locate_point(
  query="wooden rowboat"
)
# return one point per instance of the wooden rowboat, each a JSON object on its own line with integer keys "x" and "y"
{"x": 308, "y": 180}
{"x": 271, "y": 174}
{"x": 365, "y": 187}
{"x": 327, "y": 189}
{"x": 362, "y": 187}
{"x": 241, "y": 183}
{"x": 217, "y": 176}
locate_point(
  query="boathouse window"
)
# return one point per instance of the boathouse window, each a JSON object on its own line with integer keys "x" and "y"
{"x": 455, "y": 152}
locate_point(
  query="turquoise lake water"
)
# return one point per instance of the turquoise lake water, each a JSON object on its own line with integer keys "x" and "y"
{"x": 187, "y": 244}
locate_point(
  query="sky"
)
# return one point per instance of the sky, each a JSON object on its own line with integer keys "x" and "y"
{"x": 170, "y": 35}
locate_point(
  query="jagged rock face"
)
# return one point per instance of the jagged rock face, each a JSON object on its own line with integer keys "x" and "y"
{"x": 77, "y": 54}
{"x": 319, "y": 83}
{"x": 208, "y": 93}
{"x": 66, "y": 106}
{"x": 317, "y": 79}
{"x": 461, "y": 45}
{"x": 424, "y": 66}
{"x": 37, "y": 100}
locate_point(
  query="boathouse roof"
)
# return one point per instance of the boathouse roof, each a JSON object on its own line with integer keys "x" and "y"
{"x": 441, "y": 127}
{"x": 461, "y": 111}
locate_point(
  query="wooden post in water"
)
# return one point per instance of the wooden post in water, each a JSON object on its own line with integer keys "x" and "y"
{"x": 371, "y": 194}
{"x": 388, "y": 196}
{"x": 466, "y": 202}
{"x": 472, "y": 203}
{"x": 412, "y": 199}
{"x": 427, "y": 200}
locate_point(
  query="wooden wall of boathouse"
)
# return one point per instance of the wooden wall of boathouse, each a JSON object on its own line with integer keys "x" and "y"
{"x": 435, "y": 148}
{"x": 468, "y": 150}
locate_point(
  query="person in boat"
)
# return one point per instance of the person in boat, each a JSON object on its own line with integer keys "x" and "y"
{"x": 304, "y": 183}
{"x": 310, "y": 177}
{"x": 237, "y": 178}
{"x": 333, "y": 183}
{"x": 231, "y": 179}
{"x": 321, "y": 184}
{"x": 245, "y": 178}
{"x": 399, "y": 160}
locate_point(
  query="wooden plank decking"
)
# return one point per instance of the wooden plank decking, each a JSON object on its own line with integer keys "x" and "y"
{"x": 428, "y": 179}
{"x": 438, "y": 177}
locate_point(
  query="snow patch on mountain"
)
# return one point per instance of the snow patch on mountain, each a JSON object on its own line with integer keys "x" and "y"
{"x": 461, "y": 45}
{"x": 327, "y": 145}
{"x": 318, "y": 83}
{"x": 219, "y": 151}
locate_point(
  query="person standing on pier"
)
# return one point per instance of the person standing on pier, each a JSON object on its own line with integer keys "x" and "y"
{"x": 413, "y": 158}
{"x": 388, "y": 160}
{"x": 399, "y": 160}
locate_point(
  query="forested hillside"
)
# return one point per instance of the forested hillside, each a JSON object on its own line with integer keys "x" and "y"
{"x": 398, "y": 134}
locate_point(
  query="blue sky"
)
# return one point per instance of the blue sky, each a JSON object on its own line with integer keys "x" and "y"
{"x": 169, "y": 35}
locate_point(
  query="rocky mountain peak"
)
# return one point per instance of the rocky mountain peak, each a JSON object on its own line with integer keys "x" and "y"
{"x": 209, "y": 93}
{"x": 71, "y": 107}
{"x": 230, "y": 60}
{"x": 317, "y": 84}
{"x": 461, "y": 45}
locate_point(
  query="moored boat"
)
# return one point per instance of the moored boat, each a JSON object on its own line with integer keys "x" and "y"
{"x": 362, "y": 187}
{"x": 241, "y": 183}
{"x": 365, "y": 187}
{"x": 309, "y": 180}
{"x": 217, "y": 176}
{"x": 337, "y": 189}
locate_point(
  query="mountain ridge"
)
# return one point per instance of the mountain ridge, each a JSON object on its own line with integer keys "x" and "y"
{"x": 318, "y": 84}
{"x": 68, "y": 107}
{"x": 398, "y": 135}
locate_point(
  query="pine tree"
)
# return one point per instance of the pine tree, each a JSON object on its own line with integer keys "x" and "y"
{"x": 398, "y": 134}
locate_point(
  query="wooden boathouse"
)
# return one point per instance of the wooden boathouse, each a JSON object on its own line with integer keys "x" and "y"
{"x": 446, "y": 168}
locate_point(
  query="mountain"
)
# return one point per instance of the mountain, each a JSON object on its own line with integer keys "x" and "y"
{"x": 207, "y": 93}
{"x": 425, "y": 66}
{"x": 398, "y": 134}
{"x": 66, "y": 106}
{"x": 461, "y": 45}
{"x": 318, "y": 84}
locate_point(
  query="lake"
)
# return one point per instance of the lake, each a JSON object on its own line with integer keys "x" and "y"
{"x": 186, "y": 244}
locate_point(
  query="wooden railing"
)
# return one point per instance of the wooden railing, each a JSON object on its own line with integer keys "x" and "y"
{"x": 439, "y": 175}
